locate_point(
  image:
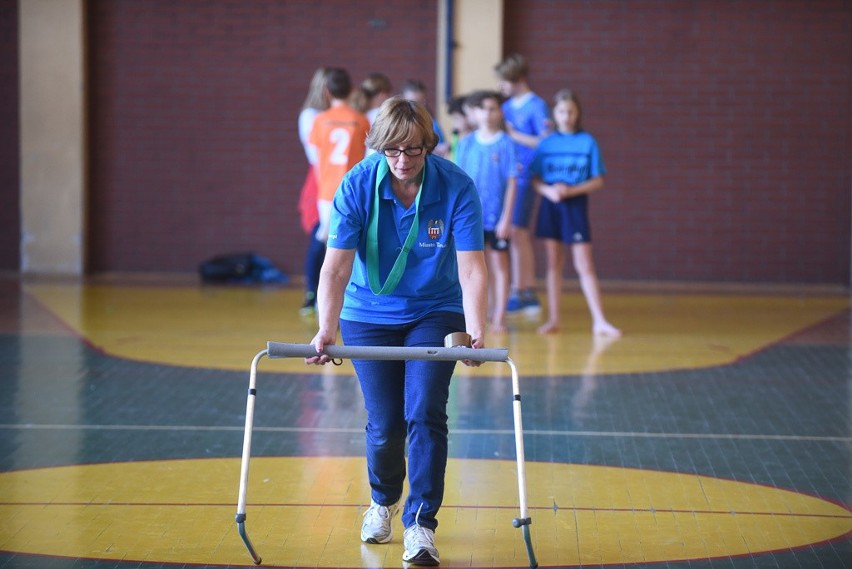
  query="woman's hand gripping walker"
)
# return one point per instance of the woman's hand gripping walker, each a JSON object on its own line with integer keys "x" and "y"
{"x": 283, "y": 350}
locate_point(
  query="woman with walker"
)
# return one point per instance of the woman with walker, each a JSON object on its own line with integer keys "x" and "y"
{"x": 404, "y": 267}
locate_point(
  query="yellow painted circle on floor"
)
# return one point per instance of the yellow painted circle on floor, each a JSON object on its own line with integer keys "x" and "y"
{"x": 306, "y": 512}
{"x": 224, "y": 327}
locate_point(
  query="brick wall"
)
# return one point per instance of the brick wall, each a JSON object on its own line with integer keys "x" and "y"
{"x": 194, "y": 108}
{"x": 725, "y": 128}
{"x": 10, "y": 172}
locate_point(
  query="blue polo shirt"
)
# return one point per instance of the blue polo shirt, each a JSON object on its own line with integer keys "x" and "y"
{"x": 450, "y": 220}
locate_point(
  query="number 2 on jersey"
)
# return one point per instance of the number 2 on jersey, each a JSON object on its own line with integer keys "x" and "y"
{"x": 339, "y": 138}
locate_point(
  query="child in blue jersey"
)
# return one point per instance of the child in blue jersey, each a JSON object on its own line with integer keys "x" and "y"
{"x": 404, "y": 267}
{"x": 567, "y": 167}
{"x": 488, "y": 156}
{"x": 527, "y": 122}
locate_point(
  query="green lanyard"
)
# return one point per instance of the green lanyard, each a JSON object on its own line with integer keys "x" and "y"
{"x": 373, "y": 239}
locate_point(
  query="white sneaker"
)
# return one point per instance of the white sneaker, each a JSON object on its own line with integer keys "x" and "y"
{"x": 377, "y": 526}
{"x": 420, "y": 546}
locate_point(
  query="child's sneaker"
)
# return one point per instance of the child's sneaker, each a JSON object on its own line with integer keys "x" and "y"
{"x": 530, "y": 303}
{"x": 420, "y": 546}
{"x": 377, "y": 526}
{"x": 514, "y": 303}
{"x": 310, "y": 305}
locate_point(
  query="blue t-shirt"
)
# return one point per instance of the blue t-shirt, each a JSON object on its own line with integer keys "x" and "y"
{"x": 570, "y": 158}
{"x": 528, "y": 114}
{"x": 450, "y": 220}
{"x": 491, "y": 164}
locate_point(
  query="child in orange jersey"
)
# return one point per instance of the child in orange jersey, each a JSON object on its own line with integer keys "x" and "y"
{"x": 338, "y": 135}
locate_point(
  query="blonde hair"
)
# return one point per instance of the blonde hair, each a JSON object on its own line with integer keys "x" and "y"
{"x": 316, "y": 98}
{"x": 358, "y": 100}
{"x": 513, "y": 69}
{"x": 374, "y": 84}
{"x": 399, "y": 121}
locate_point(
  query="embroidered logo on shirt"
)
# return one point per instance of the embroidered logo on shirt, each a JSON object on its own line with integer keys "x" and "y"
{"x": 435, "y": 229}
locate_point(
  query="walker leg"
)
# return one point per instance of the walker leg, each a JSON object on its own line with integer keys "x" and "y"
{"x": 241, "y": 527}
{"x": 244, "y": 467}
{"x": 528, "y": 541}
{"x": 524, "y": 520}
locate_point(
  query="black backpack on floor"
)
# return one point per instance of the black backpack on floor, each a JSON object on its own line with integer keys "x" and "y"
{"x": 240, "y": 268}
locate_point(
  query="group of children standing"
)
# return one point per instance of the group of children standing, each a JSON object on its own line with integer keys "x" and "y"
{"x": 534, "y": 174}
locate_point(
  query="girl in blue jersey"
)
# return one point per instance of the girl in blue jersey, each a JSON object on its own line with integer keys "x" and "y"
{"x": 566, "y": 168}
{"x": 404, "y": 267}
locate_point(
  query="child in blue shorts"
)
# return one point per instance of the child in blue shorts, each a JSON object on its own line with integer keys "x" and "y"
{"x": 527, "y": 123}
{"x": 488, "y": 157}
{"x": 566, "y": 168}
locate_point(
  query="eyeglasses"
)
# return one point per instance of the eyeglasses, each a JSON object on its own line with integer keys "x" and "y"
{"x": 395, "y": 152}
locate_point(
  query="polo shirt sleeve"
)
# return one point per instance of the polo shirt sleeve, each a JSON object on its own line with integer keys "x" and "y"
{"x": 468, "y": 232}
{"x": 349, "y": 210}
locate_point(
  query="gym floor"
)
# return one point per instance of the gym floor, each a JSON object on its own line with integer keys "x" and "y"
{"x": 714, "y": 434}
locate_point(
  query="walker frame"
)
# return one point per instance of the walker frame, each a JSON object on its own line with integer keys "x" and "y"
{"x": 284, "y": 350}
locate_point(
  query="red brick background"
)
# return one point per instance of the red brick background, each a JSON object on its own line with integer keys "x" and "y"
{"x": 725, "y": 128}
{"x": 725, "y": 125}
{"x": 194, "y": 140}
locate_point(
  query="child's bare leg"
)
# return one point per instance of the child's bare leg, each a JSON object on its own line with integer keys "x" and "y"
{"x": 585, "y": 266}
{"x": 555, "y": 262}
{"x": 523, "y": 259}
{"x": 499, "y": 268}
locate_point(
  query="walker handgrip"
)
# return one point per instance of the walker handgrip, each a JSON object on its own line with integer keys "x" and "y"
{"x": 284, "y": 350}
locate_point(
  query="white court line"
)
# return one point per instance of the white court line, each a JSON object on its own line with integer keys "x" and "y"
{"x": 618, "y": 434}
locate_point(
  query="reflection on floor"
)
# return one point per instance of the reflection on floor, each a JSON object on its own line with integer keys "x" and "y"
{"x": 716, "y": 433}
